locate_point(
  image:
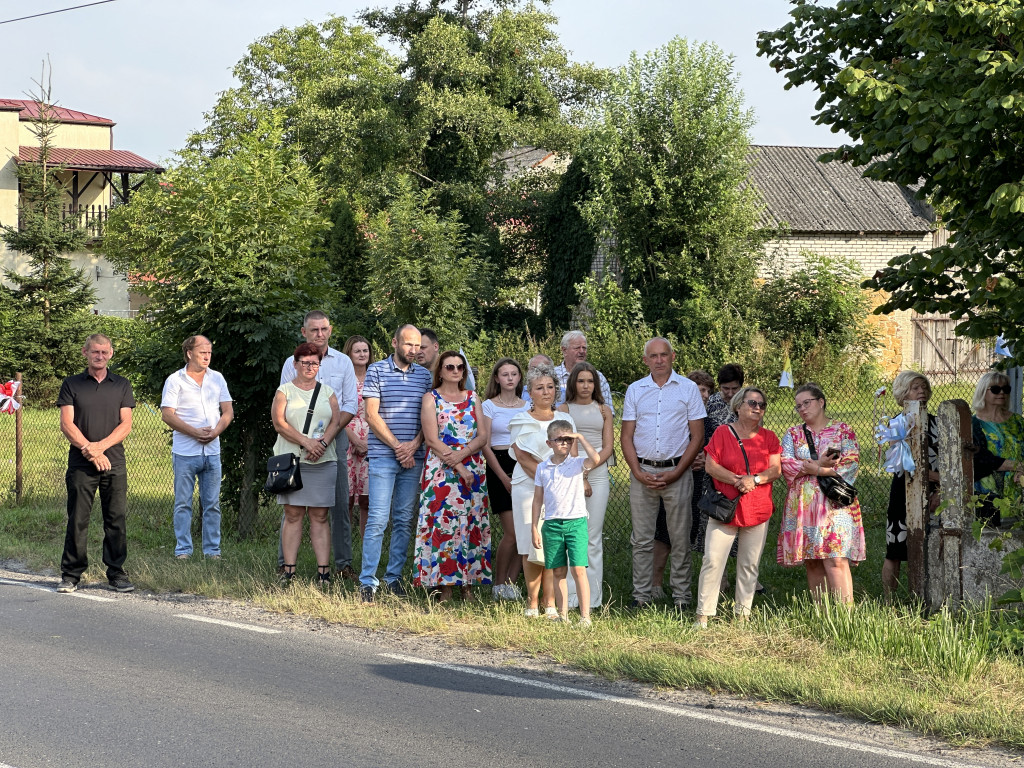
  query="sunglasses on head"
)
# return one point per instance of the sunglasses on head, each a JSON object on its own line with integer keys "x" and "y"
{"x": 460, "y": 367}
{"x": 997, "y": 389}
{"x": 756, "y": 405}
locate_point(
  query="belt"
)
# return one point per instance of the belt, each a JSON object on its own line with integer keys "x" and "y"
{"x": 659, "y": 464}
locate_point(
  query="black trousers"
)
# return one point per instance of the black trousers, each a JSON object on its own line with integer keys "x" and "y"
{"x": 82, "y": 485}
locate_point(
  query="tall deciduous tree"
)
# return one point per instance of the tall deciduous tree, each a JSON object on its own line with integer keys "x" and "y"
{"x": 223, "y": 247}
{"x": 930, "y": 93}
{"x": 669, "y": 165}
{"x": 49, "y": 303}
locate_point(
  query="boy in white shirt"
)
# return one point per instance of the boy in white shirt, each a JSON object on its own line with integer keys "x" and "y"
{"x": 560, "y": 499}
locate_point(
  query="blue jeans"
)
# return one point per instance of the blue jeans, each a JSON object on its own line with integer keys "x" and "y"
{"x": 394, "y": 491}
{"x": 187, "y": 470}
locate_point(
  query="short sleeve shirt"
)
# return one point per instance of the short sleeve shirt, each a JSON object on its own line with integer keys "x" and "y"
{"x": 564, "y": 496}
{"x": 198, "y": 406}
{"x": 337, "y": 372}
{"x": 400, "y": 394}
{"x": 662, "y": 415}
{"x": 756, "y": 506}
{"x": 97, "y": 412}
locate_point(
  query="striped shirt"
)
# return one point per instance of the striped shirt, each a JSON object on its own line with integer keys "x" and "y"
{"x": 400, "y": 394}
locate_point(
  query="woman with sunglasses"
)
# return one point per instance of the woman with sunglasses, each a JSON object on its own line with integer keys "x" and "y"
{"x": 453, "y": 535}
{"x": 817, "y": 532}
{"x": 317, "y": 457}
{"x": 749, "y": 479}
{"x": 999, "y": 435}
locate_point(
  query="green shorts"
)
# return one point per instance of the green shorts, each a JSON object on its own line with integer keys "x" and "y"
{"x": 565, "y": 538}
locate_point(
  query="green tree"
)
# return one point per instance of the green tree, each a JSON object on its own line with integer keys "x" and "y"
{"x": 668, "y": 161}
{"x": 48, "y": 305}
{"x": 930, "y": 94}
{"x": 223, "y": 248}
{"x": 424, "y": 273}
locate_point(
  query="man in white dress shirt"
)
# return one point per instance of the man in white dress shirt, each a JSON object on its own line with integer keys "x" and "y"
{"x": 197, "y": 406}
{"x": 574, "y": 350}
{"x": 662, "y": 431}
{"x": 336, "y": 371}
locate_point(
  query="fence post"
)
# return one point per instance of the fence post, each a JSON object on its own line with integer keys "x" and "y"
{"x": 18, "y": 446}
{"x": 956, "y": 470}
{"x": 917, "y": 500}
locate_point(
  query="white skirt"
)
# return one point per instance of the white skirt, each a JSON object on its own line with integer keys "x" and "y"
{"x": 522, "y": 516}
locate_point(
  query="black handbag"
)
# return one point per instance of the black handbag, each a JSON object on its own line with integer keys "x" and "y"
{"x": 716, "y": 504}
{"x": 835, "y": 488}
{"x": 283, "y": 473}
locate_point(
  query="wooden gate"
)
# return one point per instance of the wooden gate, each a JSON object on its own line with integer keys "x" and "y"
{"x": 945, "y": 357}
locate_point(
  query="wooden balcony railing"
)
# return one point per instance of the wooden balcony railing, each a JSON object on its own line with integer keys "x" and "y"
{"x": 92, "y": 218}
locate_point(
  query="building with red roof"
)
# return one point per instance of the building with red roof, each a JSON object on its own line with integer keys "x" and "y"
{"x": 95, "y": 177}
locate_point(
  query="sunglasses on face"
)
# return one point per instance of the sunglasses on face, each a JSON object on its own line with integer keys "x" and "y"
{"x": 460, "y": 367}
{"x": 1000, "y": 390}
{"x": 756, "y": 405}
{"x": 564, "y": 440}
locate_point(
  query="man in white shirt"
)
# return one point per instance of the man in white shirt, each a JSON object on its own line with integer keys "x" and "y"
{"x": 336, "y": 371}
{"x": 574, "y": 350}
{"x": 197, "y": 406}
{"x": 662, "y": 431}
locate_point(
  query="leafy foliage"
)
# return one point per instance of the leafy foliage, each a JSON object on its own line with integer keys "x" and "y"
{"x": 930, "y": 94}
{"x": 47, "y": 309}
{"x": 222, "y": 248}
{"x": 669, "y": 164}
{"x": 424, "y": 273}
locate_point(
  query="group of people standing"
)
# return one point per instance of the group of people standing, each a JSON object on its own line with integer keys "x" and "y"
{"x": 409, "y": 442}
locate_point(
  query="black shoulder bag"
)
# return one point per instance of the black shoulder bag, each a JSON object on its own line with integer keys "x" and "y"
{"x": 716, "y": 504}
{"x": 835, "y": 488}
{"x": 283, "y": 475}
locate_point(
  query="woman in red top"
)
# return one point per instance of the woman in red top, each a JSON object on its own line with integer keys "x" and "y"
{"x": 724, "y": 463}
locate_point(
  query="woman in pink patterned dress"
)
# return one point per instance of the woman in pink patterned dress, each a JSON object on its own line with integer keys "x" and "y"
{"x": 453, "y": 534}
{"x": 817, "y": 532}
{"x": 358, "y": 349}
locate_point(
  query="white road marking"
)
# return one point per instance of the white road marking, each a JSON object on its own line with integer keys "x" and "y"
{"x": 82, "y": 595}
{"x": 692, "y": 714}
{"x": 235, "y": 624}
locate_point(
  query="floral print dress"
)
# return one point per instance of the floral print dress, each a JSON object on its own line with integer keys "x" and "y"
{"x": 813, "y": 527}
{"x": 358, "y": 464}
{"x": 453, "y": 534}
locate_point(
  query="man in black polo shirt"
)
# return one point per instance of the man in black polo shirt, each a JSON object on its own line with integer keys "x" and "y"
{"x": 95, "y": 416}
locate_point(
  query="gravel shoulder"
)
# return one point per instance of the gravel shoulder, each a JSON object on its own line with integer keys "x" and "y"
{"x": 772, "y": 714}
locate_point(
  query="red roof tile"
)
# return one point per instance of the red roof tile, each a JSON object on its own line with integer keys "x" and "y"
{"x": 118, "y": 160}
{"x": 30, "y": 111}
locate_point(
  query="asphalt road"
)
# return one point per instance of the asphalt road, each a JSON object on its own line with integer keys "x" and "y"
{"x": 130, "y": 682}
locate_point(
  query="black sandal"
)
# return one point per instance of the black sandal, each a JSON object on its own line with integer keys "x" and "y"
{"x": 323, "y": 576}
{"x": 285, "y": 579}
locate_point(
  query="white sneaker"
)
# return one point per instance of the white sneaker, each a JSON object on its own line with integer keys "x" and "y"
{"x": 551, "y": 613}
{"x": 585, "y": 622}
{"x": 531, "y": 613}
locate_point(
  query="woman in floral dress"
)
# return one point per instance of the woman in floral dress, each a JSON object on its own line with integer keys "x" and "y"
{"x": 453, "y": 535}
{"x": 358, "y": 350}
{"x": 816, "y": 532}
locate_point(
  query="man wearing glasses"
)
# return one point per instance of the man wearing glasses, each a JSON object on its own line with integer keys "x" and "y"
{"x": 662, "y": 431}
{"x": 392, "y": 394}
{"x": 336, "y": 371}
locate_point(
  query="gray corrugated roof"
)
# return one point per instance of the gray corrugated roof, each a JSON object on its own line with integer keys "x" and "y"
{"x": 831, "y": 197}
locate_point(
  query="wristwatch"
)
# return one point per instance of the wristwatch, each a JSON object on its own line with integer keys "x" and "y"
{"x": 757, "y": 480}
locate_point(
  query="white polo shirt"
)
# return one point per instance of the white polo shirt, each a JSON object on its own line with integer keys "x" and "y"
{"x": 197, "y": 406}
{"x": 337, "y": 372}
{"x": 662, "y": 415}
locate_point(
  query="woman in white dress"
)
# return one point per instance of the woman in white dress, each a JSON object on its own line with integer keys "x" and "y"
{"x": 529, "y": 443}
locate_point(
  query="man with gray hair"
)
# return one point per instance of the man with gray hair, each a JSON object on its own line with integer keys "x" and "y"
{"x": 574, "y": 350}
{"x": 662, "y": 431}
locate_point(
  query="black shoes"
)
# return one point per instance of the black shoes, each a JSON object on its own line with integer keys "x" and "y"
{"x": 121, "y": 584}
{"x": 67, "y": 585}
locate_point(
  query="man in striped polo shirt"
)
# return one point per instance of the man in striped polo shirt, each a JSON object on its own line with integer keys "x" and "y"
{"x": 393, "y": 393}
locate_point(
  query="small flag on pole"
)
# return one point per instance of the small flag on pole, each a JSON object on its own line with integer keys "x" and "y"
{"x": 786, "y": 379}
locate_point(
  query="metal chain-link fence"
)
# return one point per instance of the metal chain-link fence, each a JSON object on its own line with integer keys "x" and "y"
{"x": 151, "y": 486}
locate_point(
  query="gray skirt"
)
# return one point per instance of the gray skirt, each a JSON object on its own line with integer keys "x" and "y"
{"x": 318, "y": 483}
